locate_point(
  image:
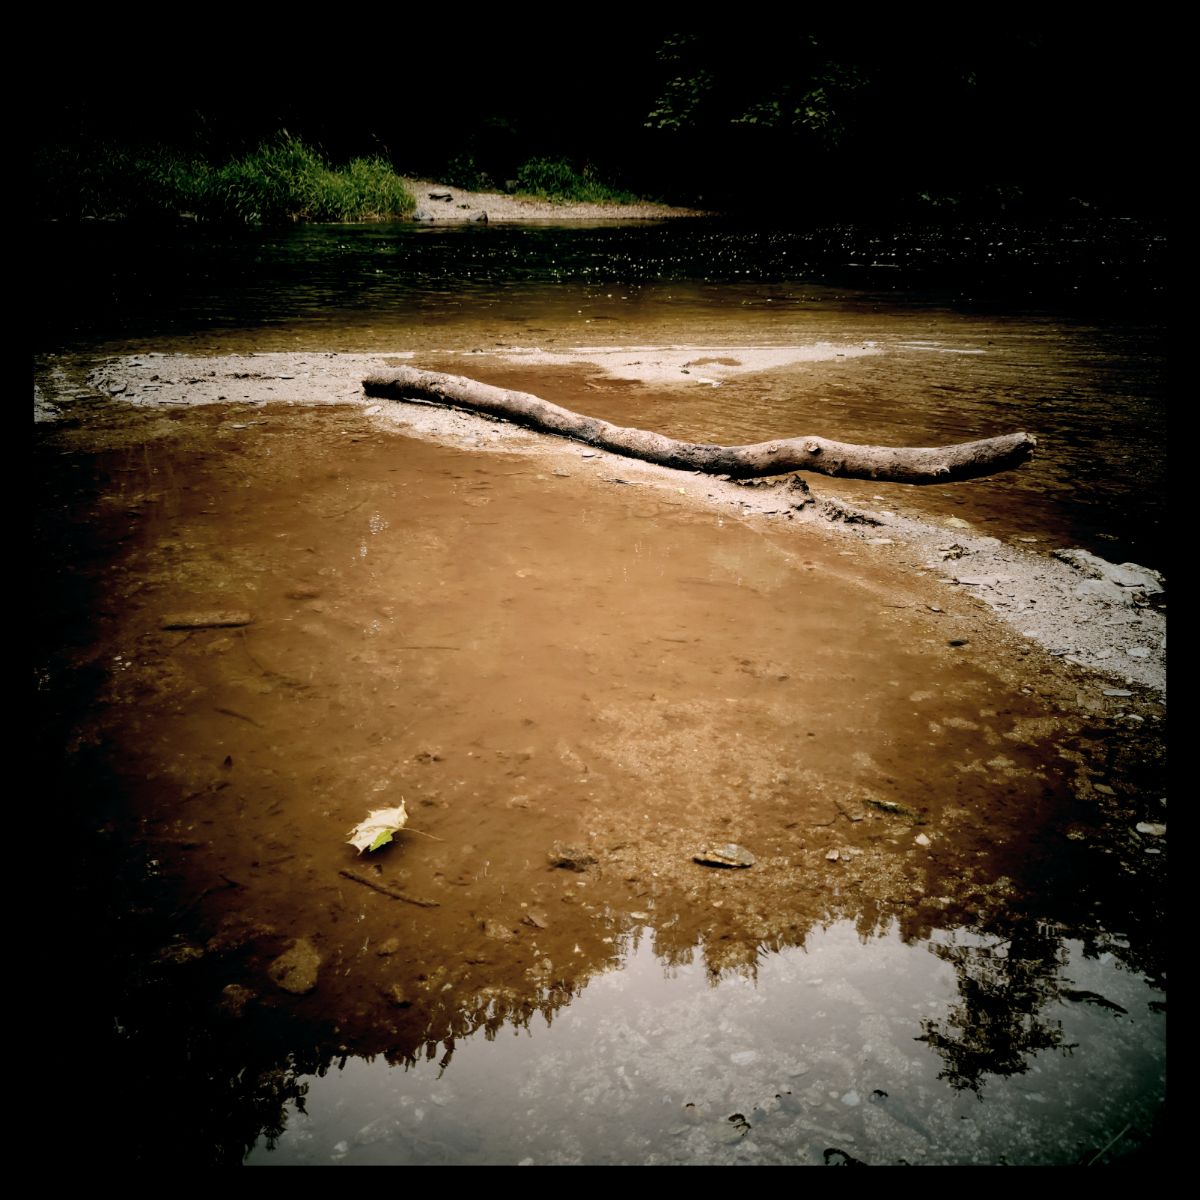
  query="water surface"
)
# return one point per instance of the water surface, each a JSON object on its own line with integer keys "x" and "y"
{"x": 950, "y": 948}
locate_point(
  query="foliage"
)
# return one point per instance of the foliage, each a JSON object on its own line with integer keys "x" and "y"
{"x": 283, "y": 179}
{"x": 462, "y": 171}
{"x": 556, "y": 179}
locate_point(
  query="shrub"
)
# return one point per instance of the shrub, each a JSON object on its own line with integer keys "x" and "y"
{"x": 557, "y": 179}
{"x": 282, "y": 180}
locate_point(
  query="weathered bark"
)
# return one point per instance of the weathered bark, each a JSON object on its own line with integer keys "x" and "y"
{"x": 941, "y": 464}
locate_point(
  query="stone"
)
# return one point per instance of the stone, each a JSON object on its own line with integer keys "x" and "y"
{"x": 537, "y": 918}
{"x": 206, "y": 619}
{"x": 498, "y": 932}
{"x": 296, "y": 969}
{"x": 922, "y": 840}
{"x": 798, "y": 492}
{"x": 235, "y": 998}
{"x": 1151, "y": 828}
{"x": 394, "y": 994}
{"x": 570, "y": 858}
{"x": 391, "y": 946}
{"x": 179, "y": 953}
{"x": 727, "y": 855}
{"x": 1125, "y": 575}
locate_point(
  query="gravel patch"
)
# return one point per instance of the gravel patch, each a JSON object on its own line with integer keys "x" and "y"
{"x": 465, "y": 206}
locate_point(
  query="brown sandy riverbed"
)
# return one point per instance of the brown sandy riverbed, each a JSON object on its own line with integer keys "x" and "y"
{"x": 577, "y": 671}
{"x": 1071, "y": 608}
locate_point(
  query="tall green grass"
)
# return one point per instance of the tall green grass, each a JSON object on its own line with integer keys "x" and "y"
{"x": 282, "y": 180}
{"x": 557, "y": 180}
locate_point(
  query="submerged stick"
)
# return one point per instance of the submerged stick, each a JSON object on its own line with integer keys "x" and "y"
{"x": 889, "y": 464}
{"x": 377, "y": 885}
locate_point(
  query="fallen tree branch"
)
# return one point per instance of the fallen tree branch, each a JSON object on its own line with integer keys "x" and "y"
{"x": 941, "y": 464}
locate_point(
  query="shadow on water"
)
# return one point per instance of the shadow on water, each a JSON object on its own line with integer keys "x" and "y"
{"x": 948, "y": 950}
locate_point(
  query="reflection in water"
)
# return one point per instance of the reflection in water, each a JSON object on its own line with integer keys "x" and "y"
{"x": 1004, "y": 983}
{"x": 816, "y": 1055}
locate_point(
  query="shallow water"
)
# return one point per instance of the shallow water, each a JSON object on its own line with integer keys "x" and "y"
{"x": 983, "y": 330}
{"x": 535, "y": 659}
{"x": 950, "y": 903}
{"x": 821, "y": 1058}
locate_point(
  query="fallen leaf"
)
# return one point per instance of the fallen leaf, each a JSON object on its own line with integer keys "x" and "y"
{"x": 377, "y": 830}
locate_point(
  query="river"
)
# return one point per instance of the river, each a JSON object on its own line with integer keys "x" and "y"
{"x": 949, "y": 949}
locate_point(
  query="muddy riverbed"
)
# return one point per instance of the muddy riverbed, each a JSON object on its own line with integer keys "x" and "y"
{"x": 265, "y": 605}
{"x": 578, "y": 675}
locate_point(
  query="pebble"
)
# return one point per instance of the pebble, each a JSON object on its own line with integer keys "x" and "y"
{"x": 297, "y": 968}
{"x": 922, "y": 840}
{"x": 1152, "y": 828}
{"x": 1117, "y": 692}
{"x": 728, "y": 855}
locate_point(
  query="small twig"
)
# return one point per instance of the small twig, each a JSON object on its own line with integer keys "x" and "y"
{"x": 208, "y": 891}
{"x": 229, "y": 712}
{"x": 409, "y": 829}
{"x": 344, "y": 513}
{"x": 1106, "y": 1149}
{"x": 383, "y": 888}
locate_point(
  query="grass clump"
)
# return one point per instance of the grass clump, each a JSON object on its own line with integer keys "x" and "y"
{"x": 555, "y": 179}
{"x": 287, "y": 180}
{"x": 282, "y": 180}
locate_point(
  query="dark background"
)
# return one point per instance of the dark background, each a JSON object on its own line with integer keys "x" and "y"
{"x": 865, "y": 117}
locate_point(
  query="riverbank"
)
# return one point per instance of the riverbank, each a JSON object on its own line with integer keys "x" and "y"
{"x": 441, "y": 204}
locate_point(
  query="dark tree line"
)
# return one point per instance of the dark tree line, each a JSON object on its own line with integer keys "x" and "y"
{"x": 855, "y": 118}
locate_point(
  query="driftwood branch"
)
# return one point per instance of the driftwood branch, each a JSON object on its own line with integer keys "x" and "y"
{"x": 941, "y": 464}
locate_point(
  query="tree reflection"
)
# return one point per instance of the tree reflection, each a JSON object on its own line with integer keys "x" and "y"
{"x": 1004, "y": 982}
